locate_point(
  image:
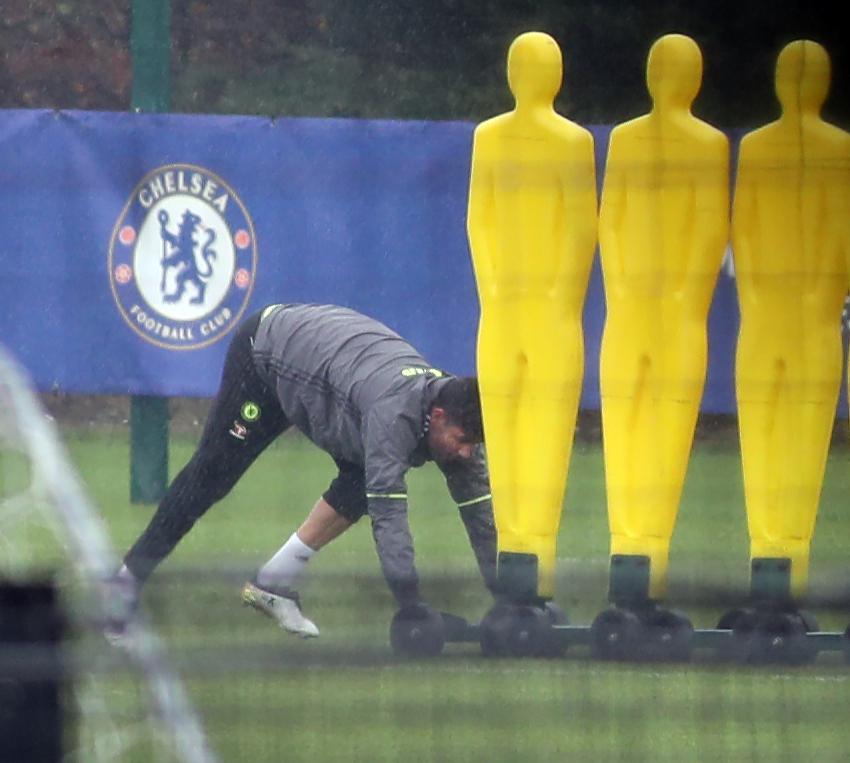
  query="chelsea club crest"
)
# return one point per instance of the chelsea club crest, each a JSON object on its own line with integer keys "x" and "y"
{"x": 182, "y": 258}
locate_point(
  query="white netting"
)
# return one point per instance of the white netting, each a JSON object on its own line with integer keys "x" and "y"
{"x": 129, "y": 704}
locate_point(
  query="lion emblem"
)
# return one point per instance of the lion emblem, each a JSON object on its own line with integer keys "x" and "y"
{"x": 182, "y": 251}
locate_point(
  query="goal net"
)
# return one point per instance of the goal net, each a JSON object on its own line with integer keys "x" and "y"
{"x": 127, "y": 704}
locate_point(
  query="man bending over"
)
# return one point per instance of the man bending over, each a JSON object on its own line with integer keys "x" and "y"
{"x": 365, "y": 396}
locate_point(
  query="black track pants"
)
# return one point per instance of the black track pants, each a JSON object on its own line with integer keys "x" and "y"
{"x": 244, "y": 418}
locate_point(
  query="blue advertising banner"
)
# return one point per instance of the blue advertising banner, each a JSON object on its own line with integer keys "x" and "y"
{"x": 135, "y": 242}
{"x": 102, "y": 209}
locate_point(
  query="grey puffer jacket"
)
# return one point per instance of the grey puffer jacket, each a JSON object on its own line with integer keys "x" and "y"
{"x": 361, "y": 393}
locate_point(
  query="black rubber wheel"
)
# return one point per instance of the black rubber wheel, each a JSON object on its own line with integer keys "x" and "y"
{"x": 668, "y": 636}
{"x": 727, "y": 621}
{"x": 736, "y": 648}
{"x": 552, "y": 643}
{"x": 810, "y": 622}
{"x": 557, "y": 616}
{"x": 770, "y": 638}
{"x": 491, "y": 631}
{"x": 510, "y": 630}
{"x": 744, "y": 644}
{"x": 417, "y": 637}
{"x": 615, "y": 634}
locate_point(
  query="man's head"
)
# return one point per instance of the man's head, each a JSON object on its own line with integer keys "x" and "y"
{"x": 456, "y": 426}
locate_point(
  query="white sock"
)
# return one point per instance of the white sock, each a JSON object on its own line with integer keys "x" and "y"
{"x": 287, "y": 566}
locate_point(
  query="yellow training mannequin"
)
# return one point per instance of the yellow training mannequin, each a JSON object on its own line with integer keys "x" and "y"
{"x": 663, "y": 229}
{"x": 532, "y": 234}
{"x": 789, "y": 232}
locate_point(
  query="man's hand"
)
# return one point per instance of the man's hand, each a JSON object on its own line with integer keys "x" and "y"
{"x": 417, "y": 630}
{"x": 417, "y": 611}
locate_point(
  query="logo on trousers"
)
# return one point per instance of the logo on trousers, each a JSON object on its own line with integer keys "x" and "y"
{"x": 238, "y": 430}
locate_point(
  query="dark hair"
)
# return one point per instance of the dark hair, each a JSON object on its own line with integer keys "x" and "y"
{"x": 460, "y": 399}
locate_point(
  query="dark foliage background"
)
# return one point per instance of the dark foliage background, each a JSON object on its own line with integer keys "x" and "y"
{"x": 408, "y": 59}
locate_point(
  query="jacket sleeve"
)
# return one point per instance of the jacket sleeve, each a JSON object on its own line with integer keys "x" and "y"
{"x": 469, "y": 486}
{"x": 389, "y": 440}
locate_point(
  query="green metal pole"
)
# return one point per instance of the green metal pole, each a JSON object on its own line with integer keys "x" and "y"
{"x": 150, "y": 46}
{"x": 148, "y": 448}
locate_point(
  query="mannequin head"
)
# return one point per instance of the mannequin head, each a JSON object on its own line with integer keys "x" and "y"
{"x": 674, "y": 71}
{"x": 802, "y": 76}
{"x": 535, "y": 69}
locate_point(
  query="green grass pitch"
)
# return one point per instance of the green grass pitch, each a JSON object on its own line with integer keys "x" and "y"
{"x": 264, "y": 696}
